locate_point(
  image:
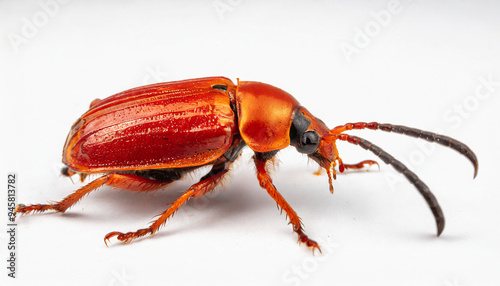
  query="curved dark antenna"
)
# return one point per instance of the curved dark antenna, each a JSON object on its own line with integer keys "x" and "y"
{"x": 417, "y": 133}
{"x": 401, "y": 168}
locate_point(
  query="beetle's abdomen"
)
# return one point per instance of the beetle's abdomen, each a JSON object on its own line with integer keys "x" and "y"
{"x": 166, "y": 125}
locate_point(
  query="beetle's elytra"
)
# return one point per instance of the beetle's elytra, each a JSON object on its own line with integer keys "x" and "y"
{"x": 145, "y": 138}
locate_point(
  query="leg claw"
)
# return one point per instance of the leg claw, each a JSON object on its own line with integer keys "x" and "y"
{"x": 126, "y": 237}
{"x": 313, "y": 245}
{"x": 309, "y": 243}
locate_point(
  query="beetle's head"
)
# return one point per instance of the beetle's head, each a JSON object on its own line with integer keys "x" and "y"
{"x": 309, "y": 135}
{"x": 271, "y": 119}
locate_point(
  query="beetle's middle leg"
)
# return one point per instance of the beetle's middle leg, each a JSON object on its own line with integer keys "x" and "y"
{"x": 206, "y": 184}
{"x": 267, "y": 183}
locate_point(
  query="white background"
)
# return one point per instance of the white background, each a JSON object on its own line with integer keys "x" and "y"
{"x": 417, "y": 63}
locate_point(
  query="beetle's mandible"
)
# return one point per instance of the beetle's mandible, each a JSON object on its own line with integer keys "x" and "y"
{"x": 145, "y": 138}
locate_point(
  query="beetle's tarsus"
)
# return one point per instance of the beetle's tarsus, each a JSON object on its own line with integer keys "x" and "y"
{"x": 31, "y": 209}
{"x": 358, "y": 166}
{"x": 303, "y": 238}
{"x": 127, "y": 237}
{"x": 361, "y": 165}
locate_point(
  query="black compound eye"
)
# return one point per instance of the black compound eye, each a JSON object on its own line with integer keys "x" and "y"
{"x": 309, "y": 142}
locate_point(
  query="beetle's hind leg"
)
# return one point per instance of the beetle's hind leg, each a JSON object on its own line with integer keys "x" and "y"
{"x": 129, "y": 182}
{"x": 206, "y": 184}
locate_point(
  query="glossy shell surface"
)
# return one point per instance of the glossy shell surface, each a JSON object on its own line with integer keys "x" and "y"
{"x": 166, "y": 125}
{"x": 265, "y": 115}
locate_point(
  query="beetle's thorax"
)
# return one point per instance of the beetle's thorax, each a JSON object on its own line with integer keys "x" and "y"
{"x": 265, "y": 114}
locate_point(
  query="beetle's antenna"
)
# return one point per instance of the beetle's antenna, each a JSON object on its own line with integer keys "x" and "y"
{"x": 401, "y": 168}
{"x": 413, "y": 132}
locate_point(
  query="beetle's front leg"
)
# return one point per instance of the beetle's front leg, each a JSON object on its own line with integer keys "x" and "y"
{"x": 206, "y": 184}
{"x": 357, "y": 166}
{"x": 360, "y": 165}
{"x": 266, "y": 183}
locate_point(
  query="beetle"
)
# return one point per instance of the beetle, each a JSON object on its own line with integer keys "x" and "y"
{"x": 147, "y": 137}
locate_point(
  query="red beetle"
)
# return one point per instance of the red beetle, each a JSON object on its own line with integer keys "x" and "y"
{"x": 145, "y": 138}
